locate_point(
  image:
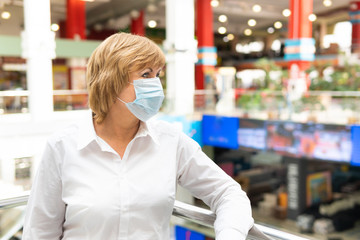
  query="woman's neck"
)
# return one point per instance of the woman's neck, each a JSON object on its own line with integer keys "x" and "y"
{"x": 117, "y": 129}
{"x": 117, "y": 134}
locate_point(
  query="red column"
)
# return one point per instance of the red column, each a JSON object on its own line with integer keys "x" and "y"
{"x": 354, "y": 13}
{"x": 75, "y": 29}
{"x": 205, "y": 38}
{"x": 137, "y": 24}
{"x": 300, "y": 46}
{"x": 75, "y": 19}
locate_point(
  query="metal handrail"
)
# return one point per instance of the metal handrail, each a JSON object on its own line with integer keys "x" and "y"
{"x": 16, "y": 201}
{"x": 186, "y": 211}
{"x": 207, "y": 218}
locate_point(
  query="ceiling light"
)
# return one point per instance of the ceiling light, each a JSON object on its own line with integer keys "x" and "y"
{"x": 327, "y": 3}
{"x": 98, "y": 27}
{"x": 55, "y": 27}
{"x": 278, "y": 25}
{"x": 252, "y": 22}
{"x": 247, "y": 32}
{"x": 152, "y": 24}
{"x": 5, "y": 15}
{"x": 134, "y": 14}
{"x": 151, "y": 8}
{"x": 214, "y": 3}
{"x": 225, "y": 39}
{"x": 222, "y": 30}
{"x": 276, "y": 45}
{"x": 111, "y": 22}
{"x": 286, "y": 12}
{"x": 270, "y": 30}
{"x": 256, "y": 8}
{"x": 230, "y": 36}
{"x": 222, "y": 18}
{"x": 312, "y": 17}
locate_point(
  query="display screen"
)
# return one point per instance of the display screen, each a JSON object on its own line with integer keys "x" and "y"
{"x": 220, "y": 131}
{"x": 305, "y": 140}
{"x": 332, "y": 142}
{"x": 252, "y": 134}
{"x": 281, "y": 137}
{"x": 187, "y": 234}
{"x": 317, "y": 141}
{"x": 355, "y": 138}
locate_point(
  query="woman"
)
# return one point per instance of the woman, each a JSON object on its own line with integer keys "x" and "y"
{"x": 114, "y": 175}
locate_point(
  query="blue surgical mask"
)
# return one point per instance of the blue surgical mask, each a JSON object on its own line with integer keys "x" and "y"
{"x": 149, "y": 97}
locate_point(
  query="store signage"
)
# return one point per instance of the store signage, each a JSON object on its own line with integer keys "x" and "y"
{"x": 293, "y": 183}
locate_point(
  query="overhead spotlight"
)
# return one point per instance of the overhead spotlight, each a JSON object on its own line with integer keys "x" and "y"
{"x": 5, "y": 15}
{"x": 55, "y": 27}
{"x": 134, "y": 14}
{"x": 214, "y": 3}
{"x": 247, "y": 32}
{"x": 222, "y": 18}
{"x": 286, "y": 12}
{"x": 98, "y": 27}
{"x": 312, "y": 17}
{"x": 222, "y": 30}
{"x": 278, "y": 25}
{"x": 152, "y": 24}
{"x": 252, "y": 22}
{"x": 151, "y": 8}
{"x": 270, "y": 30}
{"x": 111, "y": 22}
{"x": 327, "y": 3}
{"x": 230, "y": 36}
{"x": 256, "y": 8}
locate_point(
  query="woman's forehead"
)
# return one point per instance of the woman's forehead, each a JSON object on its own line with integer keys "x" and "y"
{"x": 152, "y": 68}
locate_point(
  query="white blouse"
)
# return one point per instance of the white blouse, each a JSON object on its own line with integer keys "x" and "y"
{"x": 84, "y": 190}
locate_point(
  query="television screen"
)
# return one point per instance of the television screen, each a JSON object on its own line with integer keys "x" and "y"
{"x": 305, "y": 140}
{"x": 220, "y": 131}
{"x": 355, "y": 139}
{"x": 317, "y": 141}
{"x": 252, "y": 134}
{"x": 332, "y": 142}
{"x": 282, "y": 137}
{"x": 182, "y": 233}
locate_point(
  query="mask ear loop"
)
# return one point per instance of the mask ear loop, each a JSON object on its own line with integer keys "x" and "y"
{"x": 122, "y": 100}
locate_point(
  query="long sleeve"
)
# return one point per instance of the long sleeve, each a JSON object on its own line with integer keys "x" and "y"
{"x": 206, "y": 181}
{"x": 45, "y": 208}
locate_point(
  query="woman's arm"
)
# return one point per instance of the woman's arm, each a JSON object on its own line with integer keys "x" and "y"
{"x": 45, "y": 209}
{"x": 207, "y": 181}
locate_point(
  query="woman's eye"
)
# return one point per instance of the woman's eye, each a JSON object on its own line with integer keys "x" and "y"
{"x": 145, "y": 75}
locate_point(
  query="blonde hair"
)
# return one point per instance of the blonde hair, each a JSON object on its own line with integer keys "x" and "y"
{"x": 110, "y": 65}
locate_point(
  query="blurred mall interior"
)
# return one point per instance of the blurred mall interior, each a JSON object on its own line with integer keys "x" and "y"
{"x": 269, "y": 89}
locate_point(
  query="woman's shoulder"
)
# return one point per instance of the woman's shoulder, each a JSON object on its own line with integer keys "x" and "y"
{"x": 163, "y": 127}
{"x": 69, "y": 131}
{"x": 80, "y": 125}
{"x": 171, "y": 130}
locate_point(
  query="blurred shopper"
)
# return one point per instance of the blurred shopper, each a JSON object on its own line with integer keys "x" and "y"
{"x": 114, "y": 175}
